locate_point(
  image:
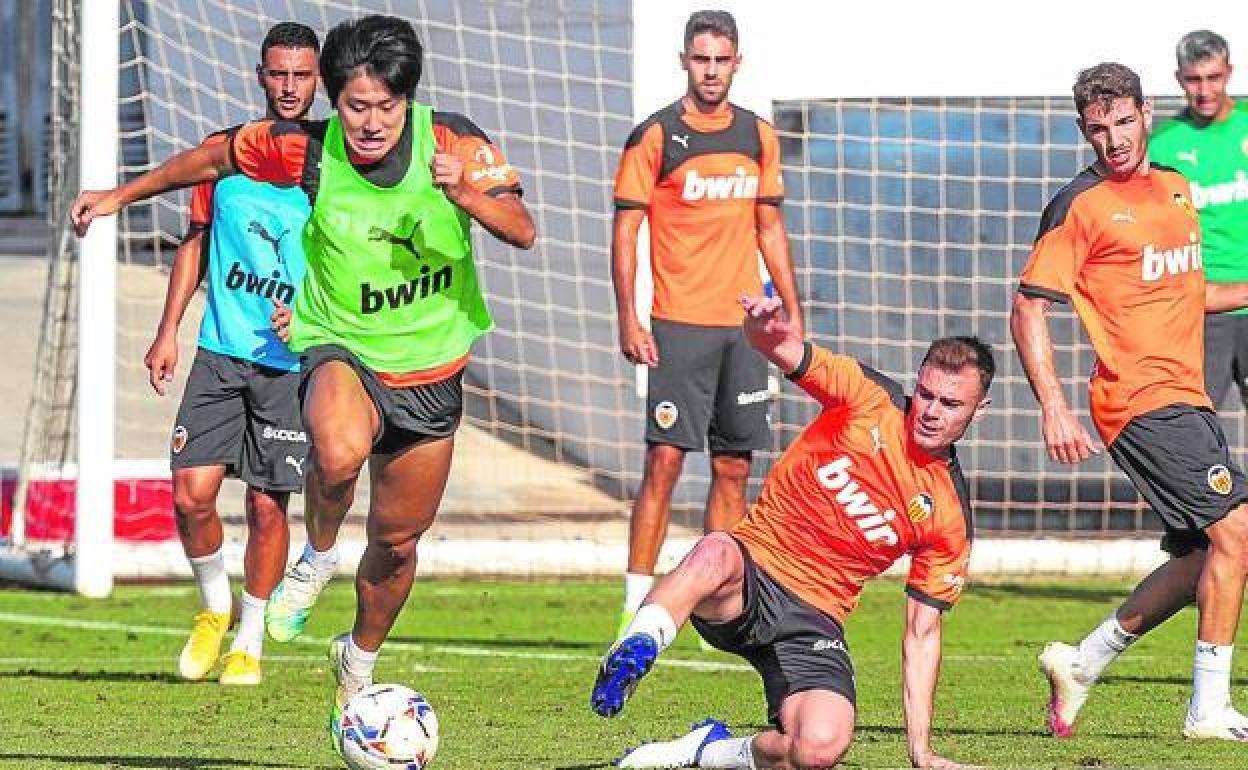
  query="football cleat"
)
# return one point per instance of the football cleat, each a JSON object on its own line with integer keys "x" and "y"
{"x": 240, "y": 667}
{"x": 345, "y": 687}
{"x": 1225, "y": 725}
{"x": 622, "y": 668}
{"x": 1066, "y": 693}
{"x": 685, "y": 751}
{"x": 203, "y": 647}
{"x": 291, "y": 602}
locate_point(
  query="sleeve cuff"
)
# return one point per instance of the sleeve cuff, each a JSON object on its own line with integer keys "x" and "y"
{"x": 930, "y": 601}
{"x": 494, "y": 192}
{"x": 770, "y": 200}
{"x": 1040, "y": 292}
{"x": 808, "y": 352}
{"x": 624, "y": 203}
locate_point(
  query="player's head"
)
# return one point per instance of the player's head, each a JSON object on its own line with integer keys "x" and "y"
{"x": 288, "y": 70}
{"x": 951, "y": 391}
{"x": 710, "y": 57}
{"x": 371, "y": 67}
{"x": 1114, "y": 117}
{"x": 1204, "y": 71}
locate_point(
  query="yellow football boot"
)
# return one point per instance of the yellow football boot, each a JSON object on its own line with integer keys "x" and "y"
{"x": 202, "y": 649}
{"x": 240, "y": 667}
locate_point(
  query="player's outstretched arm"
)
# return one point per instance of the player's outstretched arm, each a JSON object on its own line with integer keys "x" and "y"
{"x": 505, "y": 216}
{"x": 769, "y": 330}
{"x": 1066, "y": 438}
{"x": 188, "y": 271}
{"x": 205, "y": 163}
{"x": 920, "y": 666}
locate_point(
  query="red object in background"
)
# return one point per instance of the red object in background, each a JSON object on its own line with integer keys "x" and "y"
{"x": 143, "y": 509}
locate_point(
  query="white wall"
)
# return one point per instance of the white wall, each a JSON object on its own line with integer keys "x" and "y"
{"x": 829, "y": 48}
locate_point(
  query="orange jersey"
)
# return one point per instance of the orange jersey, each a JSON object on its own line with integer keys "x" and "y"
{"x": 853, "y": 494}
{"x": 698, "y": 178}
{"x": 1127, "y": 256}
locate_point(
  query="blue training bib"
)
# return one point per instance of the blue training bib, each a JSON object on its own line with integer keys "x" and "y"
{"x": 255, "y": 255}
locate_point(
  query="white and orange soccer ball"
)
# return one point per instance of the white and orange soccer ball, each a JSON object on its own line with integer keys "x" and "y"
{"x": 388, "y": 727}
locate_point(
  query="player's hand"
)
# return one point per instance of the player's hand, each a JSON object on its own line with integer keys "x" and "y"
{"x": 448, "y": 173}
{"x": 638, "y": 345}
{"x": 280, "y": 320}
{"x": 766, "y": 323}
{"x": 1066, "y": 438}
{"x": 88, "y": 205}
{"x": 161, "y": 361}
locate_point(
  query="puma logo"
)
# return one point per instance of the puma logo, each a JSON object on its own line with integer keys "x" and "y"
{"x": 296, "y": 464}
{"x": 682, "y": 140}
{"x": 409, "y": 243}
{"x": 255, "y": 228}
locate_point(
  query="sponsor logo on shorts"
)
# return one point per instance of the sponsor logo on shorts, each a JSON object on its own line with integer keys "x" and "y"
{"x": 753, "y": 397}
{"x": 828, "y": 644}
{"x": 281, "y": 434}
{"x": 665, "y": 414}
{"x": 296, "y": 464}
{"x": 180, "y": 435}
{"x": 920, "y": 507}
{"x": 1219, "y": 479}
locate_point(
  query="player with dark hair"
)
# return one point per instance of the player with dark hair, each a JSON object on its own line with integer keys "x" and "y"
{"x": 706, "y": 174}
{"x": 1121, "y": 243}
{"x": 873, "y": 478}
{"x": 240, "y": 412}
{"x": 389, "y": 310}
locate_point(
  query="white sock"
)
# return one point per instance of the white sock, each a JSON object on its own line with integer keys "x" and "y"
{"x": 635, "y": 589}
{"x": 214, "y": 584}
{"x": 730, "y": 754}
{"x": 358, "y": 663}
{"x": 1211, "y": 679}
{"x": 1101, "y": 647}
{"x": 656, "y": 622}
{"x": 250, "y": 636}
{"x": 321, "y": 561}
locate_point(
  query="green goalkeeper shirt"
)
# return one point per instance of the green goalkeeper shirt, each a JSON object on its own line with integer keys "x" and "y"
{"x": 1214, "y": 158}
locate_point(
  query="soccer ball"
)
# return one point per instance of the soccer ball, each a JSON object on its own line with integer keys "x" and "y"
{"x": 388, "y": 727}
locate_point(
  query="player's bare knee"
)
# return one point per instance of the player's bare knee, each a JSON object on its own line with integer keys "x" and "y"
{"x": 1230, "y": 535}
{"x": 732, "y": 468}
{"x": 337, "y": 463}
{"x": 715, "y": 559}
{"x": 664, "y": 462}
{"x": 193, "y": 510}
{"x": 819, "y": 749}
{"x": 264, "y": 511}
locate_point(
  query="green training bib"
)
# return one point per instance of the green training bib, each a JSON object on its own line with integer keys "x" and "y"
{"x": 390, "y": 269}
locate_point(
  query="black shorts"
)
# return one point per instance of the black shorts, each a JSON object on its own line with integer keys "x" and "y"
{"x": 793, "y": 646}
{"x": 709, "y": 384}
{"x": 1178, "y": 459}
{"x": 409, "y": 416}
{"x": 244, "y": 416}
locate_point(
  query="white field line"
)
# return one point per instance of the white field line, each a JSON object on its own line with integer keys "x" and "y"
{"x": 438, "y": 649}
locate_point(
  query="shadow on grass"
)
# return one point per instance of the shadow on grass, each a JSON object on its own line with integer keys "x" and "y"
{"x": 200, "y": 763}
{"x": 585, "y": 767}
{"x": 145, "y": 677}
{"x": 508, "y": 644}
{"x": 1083, "y": 593}
{"x": 1177, "y": 681}
{"x": 1005, "y": 732}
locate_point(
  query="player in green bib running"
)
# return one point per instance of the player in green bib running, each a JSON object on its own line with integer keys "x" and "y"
{"x": 1208, "y": 144}
{"x": 388, "y": 311}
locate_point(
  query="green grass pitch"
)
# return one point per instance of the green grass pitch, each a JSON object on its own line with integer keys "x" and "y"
{"x": 508, "y": 666}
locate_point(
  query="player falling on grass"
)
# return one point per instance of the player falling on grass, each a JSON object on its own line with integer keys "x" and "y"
{"x": 706, "y": 174}
{"x": 389, "y": 310}
{"x": 240, "y": 412}
{"x": 875, "y": 477}
{"x": 1121, "y": 243}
